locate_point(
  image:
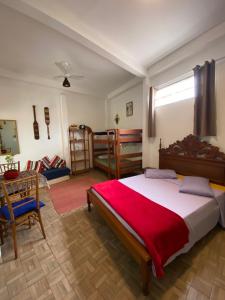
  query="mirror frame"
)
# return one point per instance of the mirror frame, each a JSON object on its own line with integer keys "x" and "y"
{"x": 4, "y": 154}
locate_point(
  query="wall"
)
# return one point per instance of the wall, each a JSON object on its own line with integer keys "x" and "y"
{"x": 81, "y": 109}
{"x": 117, "y": 105}
{"x": 16, "y": 100}
{"x": 175, "y": 121}
{"x": 88, "y": 110}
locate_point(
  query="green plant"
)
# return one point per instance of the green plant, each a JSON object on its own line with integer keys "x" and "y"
{"x": 9, "y": 158}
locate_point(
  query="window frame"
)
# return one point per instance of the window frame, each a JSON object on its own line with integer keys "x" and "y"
{"x": 176, "y": 93}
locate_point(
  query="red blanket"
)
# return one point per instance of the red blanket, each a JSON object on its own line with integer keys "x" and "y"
{"x": 163, "y": 231}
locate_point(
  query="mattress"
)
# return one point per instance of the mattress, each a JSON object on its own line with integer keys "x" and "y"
{"x": 105, "y": 162}
{"x": 104, "y": 136}
{"x": 201, "y": 214}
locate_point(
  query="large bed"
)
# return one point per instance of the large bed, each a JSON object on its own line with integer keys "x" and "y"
{"x": 200, "y": 214}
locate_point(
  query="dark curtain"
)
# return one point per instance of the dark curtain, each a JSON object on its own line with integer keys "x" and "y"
{"x": 151, "y": 114}
{"x": 205, "y": 106}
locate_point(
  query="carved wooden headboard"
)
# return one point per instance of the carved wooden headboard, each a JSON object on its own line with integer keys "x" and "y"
{"x": 194, "y": 157}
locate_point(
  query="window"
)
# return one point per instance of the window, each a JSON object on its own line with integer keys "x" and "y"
{"x": 178, "y": 91}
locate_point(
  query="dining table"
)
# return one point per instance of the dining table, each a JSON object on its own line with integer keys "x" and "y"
{"x": 43, "y": 182}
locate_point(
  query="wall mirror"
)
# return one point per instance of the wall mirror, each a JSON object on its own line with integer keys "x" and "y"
{"x": 9, "y": 143}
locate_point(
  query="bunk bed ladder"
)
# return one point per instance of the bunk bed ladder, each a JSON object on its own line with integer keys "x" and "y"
{"x": 84, "y": 147}
{"x": 117, "y": 158}
{"x": 109, "y": 150}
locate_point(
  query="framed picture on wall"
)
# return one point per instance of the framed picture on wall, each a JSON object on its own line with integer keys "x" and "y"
{"x": 129, "y": 108}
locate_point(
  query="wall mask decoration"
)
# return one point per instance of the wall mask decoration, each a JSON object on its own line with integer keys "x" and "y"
{"x": 47, "y": 120}
{"x": 129, "y": 109}
{"x": 35, "y": 125}
{"x": 117, "y": 119}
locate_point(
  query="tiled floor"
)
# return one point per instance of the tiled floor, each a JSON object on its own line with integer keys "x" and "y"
{"x": 82, "y": 259}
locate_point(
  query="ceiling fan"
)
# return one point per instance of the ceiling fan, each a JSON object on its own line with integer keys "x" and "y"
{"x": 65, "y": 68}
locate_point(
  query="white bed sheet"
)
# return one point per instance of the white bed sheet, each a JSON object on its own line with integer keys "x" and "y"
{"x": 201, "y": 214}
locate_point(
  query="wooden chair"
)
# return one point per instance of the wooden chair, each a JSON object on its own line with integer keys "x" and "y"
{"x": 9, "y": 166}
{"x": 22, "y": 206}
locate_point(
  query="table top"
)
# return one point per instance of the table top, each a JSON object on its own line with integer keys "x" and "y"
{"x": 24, "y": 174}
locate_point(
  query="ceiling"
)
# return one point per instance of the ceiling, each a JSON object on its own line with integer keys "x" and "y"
{"x": 109, "y": 41}
{"x": 30, "y": 49}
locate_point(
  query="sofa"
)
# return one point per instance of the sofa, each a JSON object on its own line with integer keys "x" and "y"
{"x": 54, "y": 170}
{"x": 53, "y": 173}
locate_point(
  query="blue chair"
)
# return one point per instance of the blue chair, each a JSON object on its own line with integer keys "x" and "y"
{"x": 22, "y": 205}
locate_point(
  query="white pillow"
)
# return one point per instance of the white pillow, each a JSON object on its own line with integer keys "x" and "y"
{"x": 196, "y": 186}
{"x": 160, "y": 174}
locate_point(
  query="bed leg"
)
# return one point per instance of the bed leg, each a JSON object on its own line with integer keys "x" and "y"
{"x": 145, "y": 275}
{"x": 88, "y": 202}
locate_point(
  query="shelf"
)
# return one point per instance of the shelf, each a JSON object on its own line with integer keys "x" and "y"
{"x": 72, "y": 151}
{"x": 79, "y": 160}
{"x": 79, "y": 141}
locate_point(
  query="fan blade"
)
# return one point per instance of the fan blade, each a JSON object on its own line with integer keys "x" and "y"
{"x": 74, "y": 76}
{"x": 63, "y": 66}
{"x": 58, "y": 76}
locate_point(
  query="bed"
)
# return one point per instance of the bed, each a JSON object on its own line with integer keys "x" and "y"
{"x": 118, "y": 151}
{"x": 201, "y": 214}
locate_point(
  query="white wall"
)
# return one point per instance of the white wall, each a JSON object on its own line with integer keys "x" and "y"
{"x": 16, "y": 100}
{"x": 117, "y": 105}
{"x": 82, "y": 109}
{"x": 175, "y": 121}
{"x": 88, "y": 110}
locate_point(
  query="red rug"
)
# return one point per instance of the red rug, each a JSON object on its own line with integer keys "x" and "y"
{"x": 71, "y": 194}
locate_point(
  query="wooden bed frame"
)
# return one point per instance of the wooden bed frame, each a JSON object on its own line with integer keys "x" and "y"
{"x": 112, "y": 140}
{"x": 191, "y": 156}
{"x": 188, "y": 157}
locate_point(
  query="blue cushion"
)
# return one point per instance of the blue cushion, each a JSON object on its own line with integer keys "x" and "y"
{"x": 4, "y": 211}
{"x": 56, "y": 173}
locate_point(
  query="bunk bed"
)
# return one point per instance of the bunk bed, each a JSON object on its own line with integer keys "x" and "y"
{"x": 118, "y": 151}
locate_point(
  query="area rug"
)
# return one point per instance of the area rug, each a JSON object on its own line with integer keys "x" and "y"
{"x": 71, "y": 194}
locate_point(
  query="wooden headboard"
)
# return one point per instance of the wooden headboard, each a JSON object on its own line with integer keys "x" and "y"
{"x": 194, "y": 157}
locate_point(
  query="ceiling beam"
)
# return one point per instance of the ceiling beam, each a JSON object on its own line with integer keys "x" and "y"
{"x": 126, "y": 86}
{"x": 77, "y": 31}
{"x": 200, "y": 45}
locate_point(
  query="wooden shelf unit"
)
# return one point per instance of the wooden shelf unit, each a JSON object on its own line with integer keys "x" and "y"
{"x": 80, "y": 148}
